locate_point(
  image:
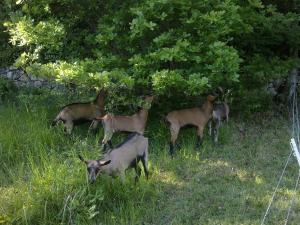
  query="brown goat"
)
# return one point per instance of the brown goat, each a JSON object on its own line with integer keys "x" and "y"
{"x": 122, "y": 157}
{"x": 193, "y": 116}
{"x": 76, "y": 113}
{"x": 220, "y": 112}
{"x": 135, "y": 123}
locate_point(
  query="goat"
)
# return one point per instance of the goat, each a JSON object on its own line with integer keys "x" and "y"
{"x": 124, "y": 156}
{"x": 76, "y": 113}
{"x": 134, "y": 123}
{"x": 193, "y": 116}
{"x": 220, "y": 112}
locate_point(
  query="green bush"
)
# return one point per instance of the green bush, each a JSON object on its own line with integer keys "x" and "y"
{"x": 167, "y": 47}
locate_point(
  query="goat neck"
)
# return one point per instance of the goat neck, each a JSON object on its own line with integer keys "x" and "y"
{"x": 99, "y": 101}
{"x": 143, "y": 113}
{"x": 207, "y": 107}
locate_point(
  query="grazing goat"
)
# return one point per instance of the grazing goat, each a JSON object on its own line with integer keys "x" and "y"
{"x": 193, "y": 116}
{"x": 220, "y": 112}
{"x": 124, "y": 156}
{"x": 76, "y": 113}
{"x": 134, "y": 123}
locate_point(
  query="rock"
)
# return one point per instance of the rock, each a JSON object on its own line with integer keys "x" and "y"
{"x": 24, "y": 78}
{"x": 37, "y": 84}
{"x": 20, "y": 79}
{"x": 9, "y": 75}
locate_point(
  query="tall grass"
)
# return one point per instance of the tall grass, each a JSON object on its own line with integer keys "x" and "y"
{"x": 43, "y": 181}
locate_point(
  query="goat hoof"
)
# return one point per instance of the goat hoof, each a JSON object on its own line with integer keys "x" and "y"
{"x": 171, "y": 154}
{"x": 198, "y": 147}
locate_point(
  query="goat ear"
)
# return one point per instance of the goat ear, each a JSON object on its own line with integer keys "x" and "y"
{"x": 81, "y": 158}
{"x": 103, "y": 163}
{"x": 211, "y": 98}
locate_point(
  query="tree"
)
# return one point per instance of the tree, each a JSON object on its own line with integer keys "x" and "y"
{"x": 172, "y": 47}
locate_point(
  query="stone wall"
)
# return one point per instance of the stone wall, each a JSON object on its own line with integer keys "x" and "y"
{"x": 22, "y": 79}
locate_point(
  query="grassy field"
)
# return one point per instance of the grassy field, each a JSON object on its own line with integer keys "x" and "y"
{"x": 43, "y": 182}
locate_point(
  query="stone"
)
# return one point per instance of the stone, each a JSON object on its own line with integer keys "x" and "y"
{"x": 20, "y": 79}
{"x": 37, "y": 84}
{"x": 9, "y": 75}
{"x": 24, "y": 78}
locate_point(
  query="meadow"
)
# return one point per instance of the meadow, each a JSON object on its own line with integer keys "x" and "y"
{"x": 43, "y": 181}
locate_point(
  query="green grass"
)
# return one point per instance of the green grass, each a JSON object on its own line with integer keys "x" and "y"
{"x": 43, "y": 181}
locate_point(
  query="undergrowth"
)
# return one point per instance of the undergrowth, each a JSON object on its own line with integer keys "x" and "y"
{"x": 43, "y": 181}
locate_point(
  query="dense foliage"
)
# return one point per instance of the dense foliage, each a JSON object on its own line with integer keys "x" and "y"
{"x": 172, "y": 47}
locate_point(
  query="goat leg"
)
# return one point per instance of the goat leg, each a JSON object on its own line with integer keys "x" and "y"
{"x": 110, "y": 144}
{"x": 104, "y": 147}
{"x": 209, "y": 126}
{"x": 171, "y": 151}
{"x": 216, "y": 130}
{"x": 199, "y": 137}
{"x": 137, "y": 172}
{"x": 122, "y": 175}
{"x": 199, "y": 143}
{"x": 216, "y": 135}
{"x": 69, "y": 126}
{"x": 145, "y": 165}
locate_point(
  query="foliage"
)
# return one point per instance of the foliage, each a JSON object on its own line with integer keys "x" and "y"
{"x": 170, "y": 47}
{"x": 269, "y": 50}
{"x": 140, "y": 39}
{"x": 8, "y": 53}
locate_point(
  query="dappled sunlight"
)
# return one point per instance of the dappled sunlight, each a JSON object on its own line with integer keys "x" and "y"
{"x": 226, "y": 169}
{"x": 16, "y": 200}
{"x": 258, "y": 180}
{"x": 190, "y": 155}
{"x": 168, "y": 178}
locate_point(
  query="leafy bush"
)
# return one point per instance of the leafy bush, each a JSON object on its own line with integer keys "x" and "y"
{"x": 169, "y": 47}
